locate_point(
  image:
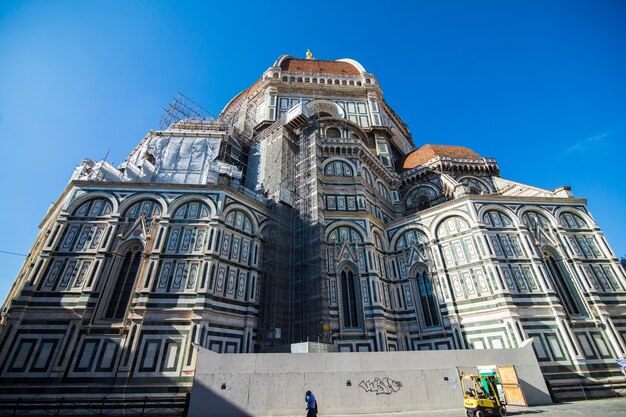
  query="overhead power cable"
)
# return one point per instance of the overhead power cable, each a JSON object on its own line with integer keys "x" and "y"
{"x": 13, "y": 253}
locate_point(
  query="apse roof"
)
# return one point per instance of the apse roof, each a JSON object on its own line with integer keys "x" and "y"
{"x": 427, "y": 152}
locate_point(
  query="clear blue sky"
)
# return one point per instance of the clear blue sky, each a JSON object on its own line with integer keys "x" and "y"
{"x": 539, "y": 85}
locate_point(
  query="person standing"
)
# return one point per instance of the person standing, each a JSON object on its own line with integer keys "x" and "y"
{"x": 311, "y": 404}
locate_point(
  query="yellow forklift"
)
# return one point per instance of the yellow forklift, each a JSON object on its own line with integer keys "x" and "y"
{"x": 480, "y": 396}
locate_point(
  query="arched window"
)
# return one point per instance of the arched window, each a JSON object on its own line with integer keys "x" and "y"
{"x": 428, "y": 301}
{"x": 124, "y": 283}
{"x": 345, "y": 233}
{"x": 567, "y": 293}
{"x": 148, "y": 208}
{"x": 192, "y": 210}
{"x": 188, "y": 227}
{"x": 496, "y": 218}
{"x": 411, "y": 236}
{"x": 333, "y": 132}
{"x": 94, "y": 208}
{"x": 452, "y": 226}
{"x": 338, "y": 169}
{"x": 350, "y": 302}
{"x": 239, "y": 220}
{"x": 572, "y": 221}
{"x": 534, "y": 219}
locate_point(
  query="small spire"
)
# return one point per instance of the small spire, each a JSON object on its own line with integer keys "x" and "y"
{"x": 309, "y": 54}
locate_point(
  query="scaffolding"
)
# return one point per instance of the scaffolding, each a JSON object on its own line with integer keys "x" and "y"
{"x": 182, "y": 108}
{"x": 294, "y": 291}
{"x": 234, "y": 149}
{"x": 308, "y": 289}
{"x": 184, "y": 114}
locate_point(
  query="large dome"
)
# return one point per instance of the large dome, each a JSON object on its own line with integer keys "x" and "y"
{"x": 318, "y": 66}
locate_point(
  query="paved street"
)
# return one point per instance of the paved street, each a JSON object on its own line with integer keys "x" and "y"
{"x": 615, "y": 407}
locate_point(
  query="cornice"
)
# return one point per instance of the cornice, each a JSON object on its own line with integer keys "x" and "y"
{"x": 163, "y": 187}
{"x": 495, "y": 199}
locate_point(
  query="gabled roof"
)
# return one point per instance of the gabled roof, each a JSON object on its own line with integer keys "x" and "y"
{"x": 427, "y": 152}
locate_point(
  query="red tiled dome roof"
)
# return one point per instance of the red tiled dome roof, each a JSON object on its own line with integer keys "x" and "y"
{"x": 317, "y": 66}
{"x": 428, "y": 152}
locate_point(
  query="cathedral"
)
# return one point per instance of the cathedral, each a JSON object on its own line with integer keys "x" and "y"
{"x": 303, "y": 212}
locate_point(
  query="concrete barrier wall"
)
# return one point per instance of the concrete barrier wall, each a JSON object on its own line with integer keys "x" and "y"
{"x": 273, "y": 384}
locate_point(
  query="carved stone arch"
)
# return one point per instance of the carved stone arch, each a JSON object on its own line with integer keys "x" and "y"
{"x": 333, "y": 132}
{"x": 78, "y": 201}
{"x": 590, "y": 223}
{"x": 411, "y": 197}
{"x": 503, "y": 209}
{"x": 437, "y": 220}
{"x": 326, "y": 106}
{"x": 341, "y": 159}
{"x": 121, "y": 246}
{"x": 93, "y": 207}
{"x": 130, "y": 212}
{"x": 236, "y": 206}
{"x": 393, "y": 244}
{"x": 130, "y": 200}
{"x": 525, "y": 209}
{"x": 418, "y": 266}
{"x": 331, "y": 160}
{"x": 178, "y": 202}
{"x": 354, "y": 126}
{"x": 413, "y": 234}
{"x": 382, "y": 237}
{"x": 335, "y": 225}
{"x": 358, "y": 132}
{"x": 440, "y": 224}
{"x": 473, "y": 181}
{"x": 554, "y": 251}
{"x": 347, "y": 265}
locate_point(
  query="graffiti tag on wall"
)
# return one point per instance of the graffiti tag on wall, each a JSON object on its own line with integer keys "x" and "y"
{"x": 385, "y": 386}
